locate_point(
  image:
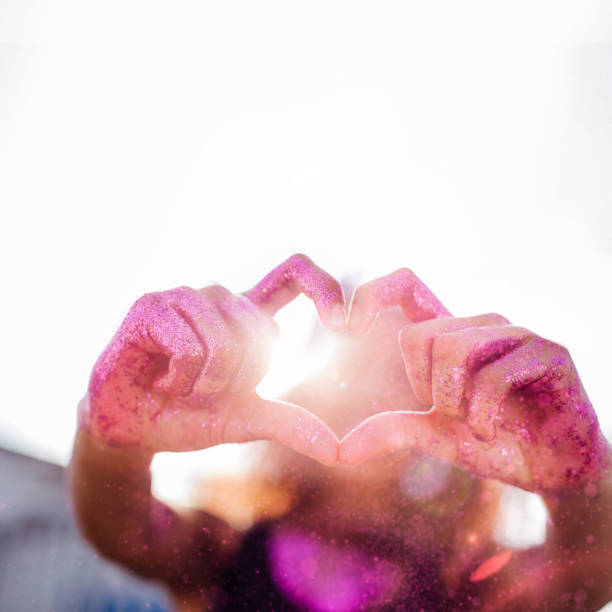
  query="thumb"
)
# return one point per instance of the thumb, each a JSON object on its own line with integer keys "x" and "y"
{"x": 388, "y": 432}
{"x": 294, "y": 426}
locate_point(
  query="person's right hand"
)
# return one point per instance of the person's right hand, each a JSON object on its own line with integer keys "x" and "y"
{"x": 180, "y": 374}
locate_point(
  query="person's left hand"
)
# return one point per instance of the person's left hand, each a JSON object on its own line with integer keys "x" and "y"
{"x": 507, "y": 404}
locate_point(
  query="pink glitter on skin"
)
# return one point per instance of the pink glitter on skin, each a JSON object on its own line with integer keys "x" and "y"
{"x": 401, "y": 288}
{"x": 296, "y": 275}
{"x": 181, "y": 371}
{"x": 507, "y": 404}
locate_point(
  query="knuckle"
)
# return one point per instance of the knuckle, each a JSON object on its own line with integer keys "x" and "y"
{"x": 562, "y": 356}
{"x": 559, "y": 348}
{"x": 495, "y": 318}
{"x": 522, "y": 332}
{"x": 145, "y": 314}
{"x": 148, "y": 299}
{"x": 229, "y": 350}
{"x": 215, "y": 292}
{"x": 548, "y": 352}
{"x": 414, "y": 336}
{"x": 448, "y": 345}
{"x": 179, "y": 297}
{"x": 299, "y": 259}
{"x": 189, "y": 353}
{"x": 180, "y": 292}
{"x": 540, "y": 344}
{"x": 404, "y": 274}
{"x": 196, "y": 352}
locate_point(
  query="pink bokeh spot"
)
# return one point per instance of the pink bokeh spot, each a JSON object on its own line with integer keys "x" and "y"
{"x": 324, "y": 577}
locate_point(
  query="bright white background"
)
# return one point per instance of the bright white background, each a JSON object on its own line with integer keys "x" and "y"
{"x": 145, "y": 145}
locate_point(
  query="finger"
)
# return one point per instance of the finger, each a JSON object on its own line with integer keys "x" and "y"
{"x": 157, "y": 329}
{"x": 224, "y": 351}
{"x": 388, "y": 432}
{"x": 438, "y": 437}
{"x": 253, "y": 330}
{"x": 257, "y": 332}
{"x": 400, "y": 288}
{"x": 416, "y": 344}
{"x": 260, "y": 419}
{"x": 457, "y": 356}
{"x": 296, "y": 275}
{"x": 493, "y": 383}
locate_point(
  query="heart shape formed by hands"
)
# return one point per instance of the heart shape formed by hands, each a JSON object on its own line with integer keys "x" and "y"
{"x": 508, "y": 404}
{"x": 299, "y": 275}
{"x": 180, "y": 374}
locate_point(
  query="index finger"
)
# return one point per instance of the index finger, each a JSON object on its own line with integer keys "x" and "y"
{"x": 400, "y": 288}
{"x": 296, "y": 275}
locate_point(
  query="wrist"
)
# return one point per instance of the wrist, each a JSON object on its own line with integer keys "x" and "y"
{"x": 583, "y": 515}
{"x": 95, "y": 450}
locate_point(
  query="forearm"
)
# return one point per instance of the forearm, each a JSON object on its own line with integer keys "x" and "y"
{"x": 111, "y": 488}
{"x": 573, "y": 568}
{"x": 580, "y": 539}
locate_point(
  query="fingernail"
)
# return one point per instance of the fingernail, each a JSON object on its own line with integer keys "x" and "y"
{"x": 337, "y": 317}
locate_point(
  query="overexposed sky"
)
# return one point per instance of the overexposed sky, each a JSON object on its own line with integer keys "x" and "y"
{"x": 145, "y": 145}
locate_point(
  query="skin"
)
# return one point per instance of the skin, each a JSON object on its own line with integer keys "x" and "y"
{"x": 367, "y": 467}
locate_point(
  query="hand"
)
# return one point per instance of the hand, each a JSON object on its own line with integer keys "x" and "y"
{"x": 180, "y": 374}
{"x": 507, "y": 404}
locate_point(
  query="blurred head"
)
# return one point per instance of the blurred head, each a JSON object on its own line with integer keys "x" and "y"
{"x": 404, "y": 490}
